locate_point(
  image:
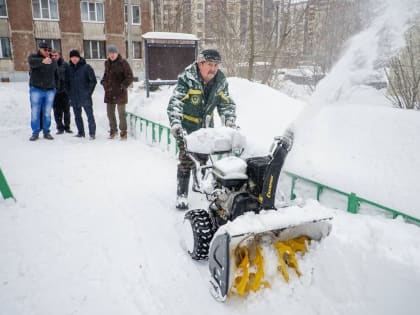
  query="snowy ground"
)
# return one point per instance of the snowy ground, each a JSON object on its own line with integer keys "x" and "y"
{"x": 94, "y": 230}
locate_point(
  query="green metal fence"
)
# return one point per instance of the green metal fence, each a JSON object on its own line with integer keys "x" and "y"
{"x": 156, "y": 133}
{"x": 152, "y": 132}
{"x": 4, "y": 187}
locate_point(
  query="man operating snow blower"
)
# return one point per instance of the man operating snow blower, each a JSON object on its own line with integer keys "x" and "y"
{"x": 200, "y": 89}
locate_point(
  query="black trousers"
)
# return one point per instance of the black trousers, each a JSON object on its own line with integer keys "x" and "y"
{"x": 61, "y": 109}
{"x": 77, "y": 110}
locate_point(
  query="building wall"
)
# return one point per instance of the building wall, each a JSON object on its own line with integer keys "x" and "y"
{"x": 23, "y": 30}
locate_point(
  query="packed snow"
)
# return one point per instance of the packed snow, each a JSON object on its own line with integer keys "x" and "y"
{"x": 94, "y": 229}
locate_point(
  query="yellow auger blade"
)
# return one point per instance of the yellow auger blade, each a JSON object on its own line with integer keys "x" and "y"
{"x": 259, "y": 274}
{"x": 298, "y": 244}
{"x": 286, "y": 251}
{"x": 283, "y": 251}
{"x": 246, "y": 280}
{"x": 241, "y": 281}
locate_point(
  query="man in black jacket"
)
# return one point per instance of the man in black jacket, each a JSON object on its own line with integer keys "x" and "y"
{"x": 61, "y": 105}
{"x": 42, "y": 87}
{"x": 80, "y": 84}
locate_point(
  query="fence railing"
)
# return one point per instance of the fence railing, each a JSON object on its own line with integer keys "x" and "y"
{"x": 354, "y": 202}
{"x": 4, "y": 187}
{"x": 151, "y": 132}
{"x": 156, "y": 133}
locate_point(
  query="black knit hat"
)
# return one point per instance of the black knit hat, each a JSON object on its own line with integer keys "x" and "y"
{"x": 74, "y": 53}
{"x": 43, "y": 45}
{"x": 211, "y": 55}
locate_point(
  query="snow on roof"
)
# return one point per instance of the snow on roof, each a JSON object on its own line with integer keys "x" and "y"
{"x": 169, "y": 35}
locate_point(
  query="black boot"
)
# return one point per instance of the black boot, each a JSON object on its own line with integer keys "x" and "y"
{"x": 183, "y": 181}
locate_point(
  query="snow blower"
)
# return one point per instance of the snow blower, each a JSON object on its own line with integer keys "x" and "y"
{"x": 241, "y": 221}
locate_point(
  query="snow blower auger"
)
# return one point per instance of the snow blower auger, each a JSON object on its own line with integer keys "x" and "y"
{"x": 241, "y": 222}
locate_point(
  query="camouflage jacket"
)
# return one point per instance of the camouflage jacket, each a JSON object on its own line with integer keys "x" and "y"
{"x": 189, "y": 105}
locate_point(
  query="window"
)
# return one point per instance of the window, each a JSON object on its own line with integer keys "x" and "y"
{"x": 45, "y": 9}
{"x": 54, "y": 43}
{"x": 92, "y": 11}
{"x": 5, "y": 51}
{"x": 94, "y": 49}
{"x": 3, "y": 8}
{"x": 135, "y": 14}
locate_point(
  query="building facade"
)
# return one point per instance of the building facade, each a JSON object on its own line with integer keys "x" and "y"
{"x": 91, "y": 25}
{"x": 86, "y": 25}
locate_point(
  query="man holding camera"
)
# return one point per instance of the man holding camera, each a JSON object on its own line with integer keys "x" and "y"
{"x": 42, "y": 88}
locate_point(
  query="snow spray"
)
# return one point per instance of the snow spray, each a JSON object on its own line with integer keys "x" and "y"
{"x": 363, "y": 52}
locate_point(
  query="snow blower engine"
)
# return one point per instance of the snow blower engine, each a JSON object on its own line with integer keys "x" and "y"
{"x": 236, "y": 188}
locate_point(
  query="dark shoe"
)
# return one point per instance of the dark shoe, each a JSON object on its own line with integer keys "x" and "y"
{"x": 123, "y": 135}
{"x": 112, "y": 135}
{"x": 60, "y": 132}
{"x": 34, "y": 138}
{"x": 79, "y": 135}
{"x": 48, "y": 136}
{"x": 68, "y": 131}
{"x": 92, "y": 137}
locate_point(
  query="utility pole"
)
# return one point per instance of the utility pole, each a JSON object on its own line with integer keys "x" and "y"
{"x": 129, "y": 41}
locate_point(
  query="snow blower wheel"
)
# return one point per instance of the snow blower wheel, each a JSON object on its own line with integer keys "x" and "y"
{"x": 202, "y": 233}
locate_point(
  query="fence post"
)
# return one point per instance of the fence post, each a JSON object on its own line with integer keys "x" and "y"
{"x": 153, "y": 132}
{"x": 292, "y": 193}
{"x": 4, "y": 187}
{"x": 352, "y": 203}
{"x": 319, "y": 190}
{"x": 160, "y": 133}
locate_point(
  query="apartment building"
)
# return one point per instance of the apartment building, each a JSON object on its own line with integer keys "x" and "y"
{"x": 91, "y": 25}
{"x": 86, "y": 25}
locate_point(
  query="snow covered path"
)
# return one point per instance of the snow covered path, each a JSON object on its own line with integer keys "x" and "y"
{"x": 94, "y": 232}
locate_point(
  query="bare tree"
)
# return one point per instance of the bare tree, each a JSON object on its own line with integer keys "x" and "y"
{"x": 225, "y": 33}
{"x": 404, "y": 73}
{"x": 287, "y": 18}
{"x": 332, "y": 23}
{"x": 251, "y": 42}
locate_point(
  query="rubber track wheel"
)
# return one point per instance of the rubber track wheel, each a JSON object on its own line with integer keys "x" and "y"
{"x": 203, "y": 233}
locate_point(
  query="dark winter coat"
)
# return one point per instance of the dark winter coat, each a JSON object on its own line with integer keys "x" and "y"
{"x": 192, "y": 100}
{"x": 42, "y": 76}
{"x": 118, "y": 76}
{"x": 80, "y": 83}
{"x": 62, "y": 66}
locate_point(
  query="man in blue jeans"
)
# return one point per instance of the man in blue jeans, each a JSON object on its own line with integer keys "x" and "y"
{"x": 42, "y": 87}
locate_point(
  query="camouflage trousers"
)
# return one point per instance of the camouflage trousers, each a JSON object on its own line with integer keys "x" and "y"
{"x": 185, "y": 164}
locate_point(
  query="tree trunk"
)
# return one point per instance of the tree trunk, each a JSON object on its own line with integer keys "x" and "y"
{"x": 251, "y": 42}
